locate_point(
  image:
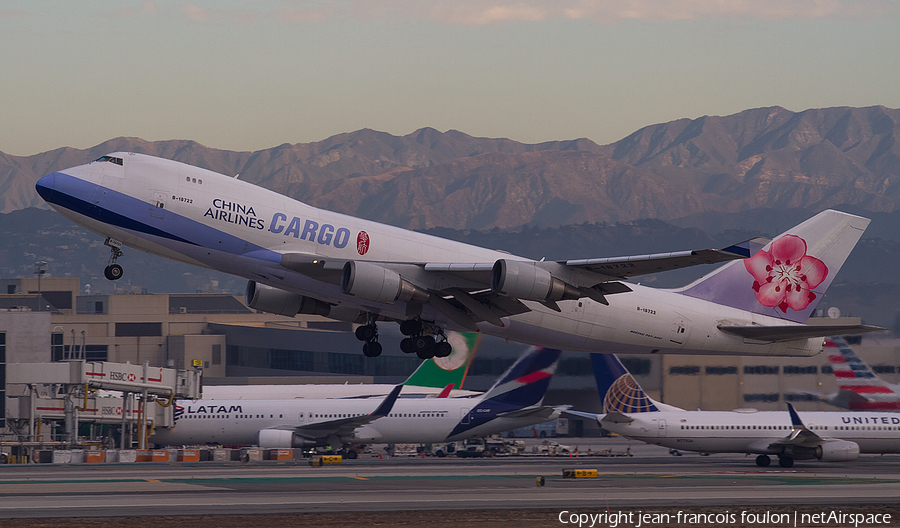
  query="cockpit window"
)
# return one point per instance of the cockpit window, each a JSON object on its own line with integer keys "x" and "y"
{"x": 111, "y": 159}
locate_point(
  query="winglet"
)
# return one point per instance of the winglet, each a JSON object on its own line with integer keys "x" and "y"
{"x": 747, "y": 248}
{"x": 385, "y": 408}
{"x": 446, "y": 392}
{"x": 795, "y": 418}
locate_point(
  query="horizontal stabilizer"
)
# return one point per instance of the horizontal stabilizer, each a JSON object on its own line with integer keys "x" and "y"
{"x": 616, "y": 417}
{"x": 794, "y": 332}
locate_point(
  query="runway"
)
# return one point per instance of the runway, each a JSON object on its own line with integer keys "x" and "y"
{"x": 403, "y": 484}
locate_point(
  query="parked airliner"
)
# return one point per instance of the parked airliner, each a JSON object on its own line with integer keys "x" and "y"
{"x": 514, "y": 401}
{"x": 435, "y": 377}
{"x": 824, "y": 435}
{"x": 300, "y": 259}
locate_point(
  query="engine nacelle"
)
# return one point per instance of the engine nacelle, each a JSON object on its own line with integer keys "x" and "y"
{"x": 273, "y": 300}
{"x": 375, "y": 283}
{"x": 280, "y": 439}
{"x": 838, "y": 451}
{"x": 524, "y": 280}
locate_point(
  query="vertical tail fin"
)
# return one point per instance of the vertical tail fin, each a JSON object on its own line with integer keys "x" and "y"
{"x": 526, "y": 381}
{"x": 440, "y": 372}
{"x": 619, "y": 392}
{"x": 787, "y": 277}
{"x": 858, "y": 387}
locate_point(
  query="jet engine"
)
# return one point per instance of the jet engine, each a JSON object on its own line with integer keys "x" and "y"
{"x": 838, "y": 451}
{"x": 524, "y": 280}
{"x": 273, "y": 300}
{"x": 282, "y": 439}
{"x": 375, "y": 283}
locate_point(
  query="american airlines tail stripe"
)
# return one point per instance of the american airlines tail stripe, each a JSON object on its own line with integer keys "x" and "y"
{"x": 867, "y": 389}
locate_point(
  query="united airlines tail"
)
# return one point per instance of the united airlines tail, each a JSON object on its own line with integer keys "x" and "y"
{"x": 619, "y": 392}
{"x": 788, "y": 276}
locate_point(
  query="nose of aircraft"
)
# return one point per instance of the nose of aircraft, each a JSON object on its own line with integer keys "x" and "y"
{"x": 45, "y": 185}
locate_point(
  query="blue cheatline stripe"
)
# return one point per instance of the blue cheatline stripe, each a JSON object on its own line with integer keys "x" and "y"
{"x": 200, "y": 234}
{"x": 106, "y": 216}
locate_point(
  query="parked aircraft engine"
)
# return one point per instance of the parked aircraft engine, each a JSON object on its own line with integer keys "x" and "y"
{"x": 524, "y": 280}
{"x": 273, "y": 300}
{"x": 281, "y": 439}
{"x": 375, "y": 283}
{"x": 838, "y": 451}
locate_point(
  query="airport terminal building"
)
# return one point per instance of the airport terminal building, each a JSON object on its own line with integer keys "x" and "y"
{"x": 53, "y": 321}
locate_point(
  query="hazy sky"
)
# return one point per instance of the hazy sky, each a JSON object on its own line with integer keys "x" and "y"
{"x": 248, "y": 75}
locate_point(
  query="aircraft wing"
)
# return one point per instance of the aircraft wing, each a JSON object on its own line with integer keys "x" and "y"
{"x": 344, "y": 426}
{"x": 800, "y": 435}
{"x": 624, "y": 267}
{"x": 793, "y": 332}
{"x": 544, "y": 411}
{"x": 470, "y": 292}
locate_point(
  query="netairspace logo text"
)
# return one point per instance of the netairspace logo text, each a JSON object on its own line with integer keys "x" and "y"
{"x": 640, "y": 519}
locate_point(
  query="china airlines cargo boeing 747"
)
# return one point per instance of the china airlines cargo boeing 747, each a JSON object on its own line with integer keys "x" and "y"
{"x": 300, "y": 259}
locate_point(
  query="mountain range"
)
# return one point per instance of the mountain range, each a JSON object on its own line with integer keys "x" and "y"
{"x": 762, "y": 158}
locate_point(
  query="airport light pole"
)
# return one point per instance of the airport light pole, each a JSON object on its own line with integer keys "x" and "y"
{"x": 39, "y": 270}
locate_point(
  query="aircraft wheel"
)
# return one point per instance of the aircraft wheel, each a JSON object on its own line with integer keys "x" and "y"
{"x": 366, "y": 332}
{"x": 411, "y": 327}
{"x": 763, "y": 461}
{"x": 423, "y": 343}
{"x": 372, "y": 349}
{"x": 351, "y": 455}
{"x": 440, "y": 454}
{"x": 113, "y": 272}
{"x": 406, "y": 346}
{"x": 425, "y": 354}
{"x": 786, "y": 461}
{"x": 443, "y": 349}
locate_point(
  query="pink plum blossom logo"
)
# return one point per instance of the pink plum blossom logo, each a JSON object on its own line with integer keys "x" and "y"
{"x": 785, "y": 275}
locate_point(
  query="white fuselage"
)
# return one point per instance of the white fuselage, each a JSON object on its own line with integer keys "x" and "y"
{"x": 411, "y": 420}
{"x": 324, "y": 390}
{"x": 753, "y": 432}
{"x": 211, "y": 220}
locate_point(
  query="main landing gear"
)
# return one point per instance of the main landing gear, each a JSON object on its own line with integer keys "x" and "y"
{"x": 784, "y": 461}
{"x": 369, "y": 333}
{"x": 113, "y": 271}
{"x": 421, "y": 340}
{"x": 424, "y": 339}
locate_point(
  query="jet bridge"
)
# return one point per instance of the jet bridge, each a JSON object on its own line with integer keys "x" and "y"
{"x": 115, "y": 399}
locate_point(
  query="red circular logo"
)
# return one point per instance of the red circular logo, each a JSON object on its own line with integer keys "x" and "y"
{"x": 132, "y": 377}
{"x": 362, "y": 242}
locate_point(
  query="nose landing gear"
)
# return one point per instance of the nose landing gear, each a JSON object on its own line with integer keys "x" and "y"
{"x": 113, "y": 271}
